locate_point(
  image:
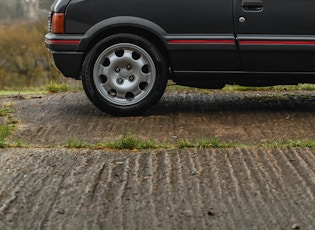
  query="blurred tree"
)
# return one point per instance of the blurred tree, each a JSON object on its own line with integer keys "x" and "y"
{"x": 15, "y": 9}
{"x": 45, "y": 4}
{"x": 11, "y": 9}
{"x": 25, "y": 60}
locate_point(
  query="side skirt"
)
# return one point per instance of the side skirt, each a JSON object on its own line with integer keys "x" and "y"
{"x": 217, "y": 80}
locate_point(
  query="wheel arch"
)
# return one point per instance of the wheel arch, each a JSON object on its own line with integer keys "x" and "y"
{"x": 131, "y": 25}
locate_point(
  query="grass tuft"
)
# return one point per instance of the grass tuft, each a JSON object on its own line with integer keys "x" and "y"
{"x": 212, "y": 143}
{"x": 131, "y": 143}
{"x": 18, "y": 144}
{"x": 76, "y": 143}
{"x": 5, "y": 112}
{"x": 56, "y": 87}
{"x": 10, "y": 121}
{"x": 5, "y": 131}
{"x": 7, "y": 109}
{"x": 205, "y": 143}
{"x": 185, "y": 144}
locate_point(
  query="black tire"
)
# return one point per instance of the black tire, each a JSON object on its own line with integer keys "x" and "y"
{"x": 124, "y": 74}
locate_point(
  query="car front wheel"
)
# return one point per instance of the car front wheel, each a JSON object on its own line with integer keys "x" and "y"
{"x": 124, "y": 74}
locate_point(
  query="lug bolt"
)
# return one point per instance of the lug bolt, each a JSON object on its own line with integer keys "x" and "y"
{"x": 120, "y": 81}
{"x": 117, "y": 69}
{"x": 128, "y": 67}
{"x": 131, "y": 78}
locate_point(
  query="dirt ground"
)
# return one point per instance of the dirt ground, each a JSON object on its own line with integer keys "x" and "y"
{"x": 241, "y": 117}
{"x": 230, "y": 188}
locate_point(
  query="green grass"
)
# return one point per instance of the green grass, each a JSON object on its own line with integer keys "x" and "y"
{"x": 9, "y": 123}
{"x": 5, "y": 111}
{"x": 205, "y": 143}
{"x": 5, "y": 131}
{"x": 52, "y": 87}
{"x": 130, "y": 142}
{"x": 18, "y": 144}
{"x": 127, "y": 142}
{"x": 76, "y": 143}
{"x": 185, "y": 144}
{"x": 213, "y": 143}
{"x": 56, "y": 87}
{"x": 28, "y": 91}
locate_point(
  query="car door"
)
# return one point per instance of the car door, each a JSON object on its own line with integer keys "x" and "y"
{"x": 276, "y": 35}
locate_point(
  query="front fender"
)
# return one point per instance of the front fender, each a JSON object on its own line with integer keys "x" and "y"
{"x": 121, "y": 21}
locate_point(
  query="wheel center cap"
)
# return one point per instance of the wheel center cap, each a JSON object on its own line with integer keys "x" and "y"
{"x": 124, "y": 73}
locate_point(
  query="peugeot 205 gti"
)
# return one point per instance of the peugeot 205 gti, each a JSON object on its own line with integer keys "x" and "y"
{"x": 126, "y": 51}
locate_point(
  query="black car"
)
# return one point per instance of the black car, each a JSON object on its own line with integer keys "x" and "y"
{"x": 126, "y": 51}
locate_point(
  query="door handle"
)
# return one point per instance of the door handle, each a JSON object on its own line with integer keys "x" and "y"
{"x": 252, "y": 5}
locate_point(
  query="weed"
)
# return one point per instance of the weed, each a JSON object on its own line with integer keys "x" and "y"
{"x": 4, "y": 112}
{"x": 212, "y": 143}
{"x": 205, "y": 143}
{"x": 147, "y": 145}
{"x": 185, "y": 144}
{"x": 5, "y": 131}
{"x": 23, "y": 91}
{"x": 18, "y": 144}
{"x": 305, "y": 87}
{"x": 127, "y": 142}
{"x": 76, "y": 143}
{"x": 130, "y": 142}
{"x": 56, "y": 87}
{"x": 12, "y": 120}
{"x": 7, "y": 109}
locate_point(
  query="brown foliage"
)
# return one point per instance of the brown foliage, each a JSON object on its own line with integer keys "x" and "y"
{"x": 24, "y": 59}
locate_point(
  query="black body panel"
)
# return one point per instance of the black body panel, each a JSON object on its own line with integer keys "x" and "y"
{"x": 276, "y": 35}
{"x": 175, "y": 17}
{"x": 59, "y": 6}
